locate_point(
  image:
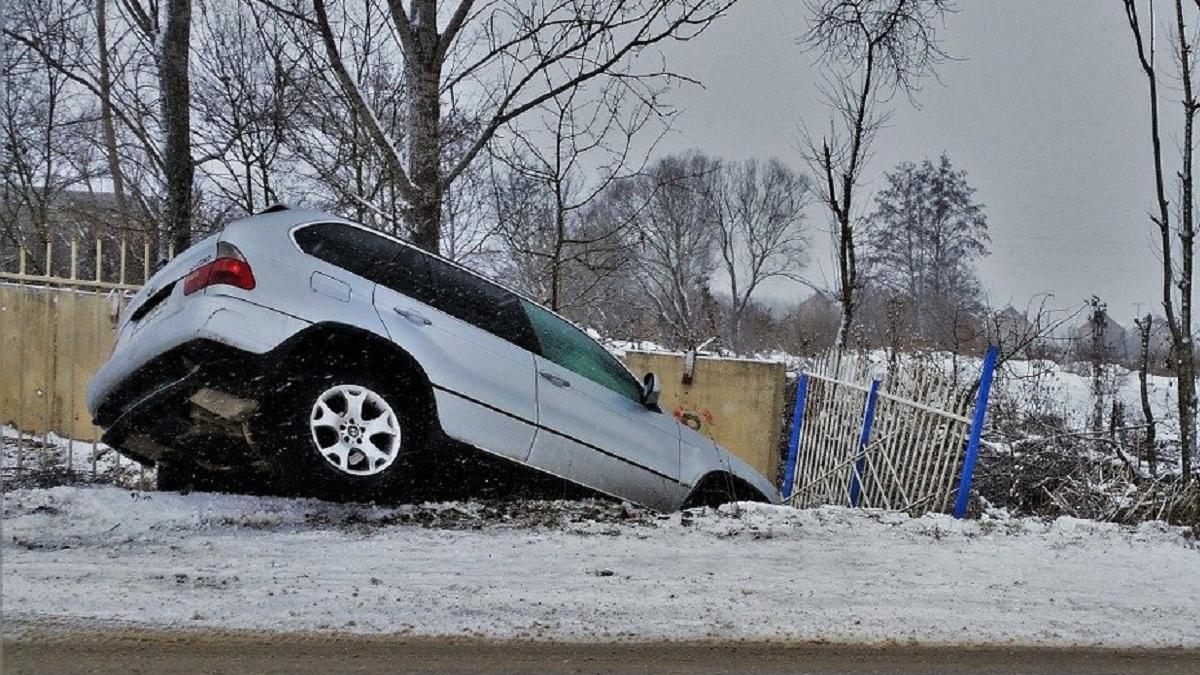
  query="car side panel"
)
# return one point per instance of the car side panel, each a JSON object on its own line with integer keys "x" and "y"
{"x": 604, "y": 440}
{"x": 484, "y": 386}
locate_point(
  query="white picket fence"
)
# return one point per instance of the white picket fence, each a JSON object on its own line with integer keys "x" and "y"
{"x": 904, "y": 442}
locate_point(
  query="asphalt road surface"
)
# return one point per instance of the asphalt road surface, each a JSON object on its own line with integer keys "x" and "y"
{"x": 137, "y": 652}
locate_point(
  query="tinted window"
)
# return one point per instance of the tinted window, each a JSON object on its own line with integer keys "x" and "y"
{"x": 350, "y": 248}
{"x": 422, "y": 277}
{"x": 570, "y": 348}
{"x": 466, "y": 296}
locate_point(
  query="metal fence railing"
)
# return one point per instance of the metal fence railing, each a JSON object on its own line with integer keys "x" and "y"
{"x": 909, "y": 446}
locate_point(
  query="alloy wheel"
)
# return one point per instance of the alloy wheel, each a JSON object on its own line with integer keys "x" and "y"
{"x": 355, "y": 430}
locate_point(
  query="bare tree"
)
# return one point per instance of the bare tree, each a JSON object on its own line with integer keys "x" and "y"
{"x": 333, "y": 149}
{"x": 675, "y": 233}
{"x": 45, "y": 125}
{"x": 760, "y": 229}
{"x": 140, "y": 78}
{"x": 873, "y": 49}
{"x": 250, "y": 86}
{"x": 104, "y": 93}
{"x": 1177, "y": 242}
{"x": 495, "y": 62}
{"x": 469, "y": 220}
{"x": 564, "y": 158}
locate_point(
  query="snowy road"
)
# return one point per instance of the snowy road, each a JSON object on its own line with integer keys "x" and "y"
{"x": 107, "y": 557}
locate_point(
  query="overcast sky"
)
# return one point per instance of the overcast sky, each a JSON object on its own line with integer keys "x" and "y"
{"x": 1045, "y": 111}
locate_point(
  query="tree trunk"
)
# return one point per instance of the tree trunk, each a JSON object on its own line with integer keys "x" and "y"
{"x": 1180, "y": 324}
{"x": 560, "y": 239}
{"x": 1187, "y": 406}
{"x": 1144, "y": 327}
{"x": 175, "y": 97}
{"x": 1098, "y": 323}
{"x": 423, "y": 78}
{"x": 1185, "y": 351}
{"x": 107, "y": 123}
{"x": 848, "y": 272}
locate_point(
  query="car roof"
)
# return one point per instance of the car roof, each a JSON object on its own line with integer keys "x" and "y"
{"x": 283, "y": 218}
{"x": 287, "y": 218}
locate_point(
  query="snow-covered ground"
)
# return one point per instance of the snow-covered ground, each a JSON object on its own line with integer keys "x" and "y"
{"x": 50, "y": 458}
{"x": 590, "y": 571}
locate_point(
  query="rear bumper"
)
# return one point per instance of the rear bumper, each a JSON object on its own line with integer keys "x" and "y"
{"x": 214, "y": 320}
{"x": 155, "y": 403}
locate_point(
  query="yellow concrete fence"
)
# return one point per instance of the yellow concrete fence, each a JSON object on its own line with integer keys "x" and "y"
{"x": 52, "y": 339}
{"x": 736, "y": 402}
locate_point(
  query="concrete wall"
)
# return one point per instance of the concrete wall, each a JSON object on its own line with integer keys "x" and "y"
{"x": 738, "y": 403}
{"x": 51, "y": 341}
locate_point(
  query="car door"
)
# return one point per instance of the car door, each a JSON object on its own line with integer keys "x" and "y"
{"x": 475, "y": 344}
{"x": 594, "y": 428}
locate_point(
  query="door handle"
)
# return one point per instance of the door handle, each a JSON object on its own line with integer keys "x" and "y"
{"x": 415, "y": 317}
{"x": 554, "y": 379}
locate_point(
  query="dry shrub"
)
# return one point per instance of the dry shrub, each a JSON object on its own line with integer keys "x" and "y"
{"x": 1041, "y": 468}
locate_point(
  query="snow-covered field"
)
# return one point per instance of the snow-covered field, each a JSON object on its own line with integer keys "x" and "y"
{"x": 590, "y": 571}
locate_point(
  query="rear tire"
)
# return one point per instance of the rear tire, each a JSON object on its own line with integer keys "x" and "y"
{"x": 342, "y": 434}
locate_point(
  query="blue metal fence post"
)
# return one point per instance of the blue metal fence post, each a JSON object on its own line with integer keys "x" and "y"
{"x": 981, "y": 401}
{"x": 789, "y": 471}
{"x": 860, "y": 463}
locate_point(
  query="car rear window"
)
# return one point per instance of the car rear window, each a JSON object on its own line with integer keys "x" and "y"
{"x": 349, "y": 248}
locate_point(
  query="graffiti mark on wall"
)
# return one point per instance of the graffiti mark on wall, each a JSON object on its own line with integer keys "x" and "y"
{"x": 696, "y": 419}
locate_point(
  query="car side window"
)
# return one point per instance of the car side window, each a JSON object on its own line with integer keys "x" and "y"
{"x": 350, "y": 248}
{"x": 422, "y": 277}
{"x": 572, "y": 349}
{"x": 477, "y": 301}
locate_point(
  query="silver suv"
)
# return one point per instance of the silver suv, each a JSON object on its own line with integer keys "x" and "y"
{"x": 298, "y": 346}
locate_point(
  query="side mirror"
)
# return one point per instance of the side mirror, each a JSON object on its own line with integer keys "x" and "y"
{"x": 651, "y": 390}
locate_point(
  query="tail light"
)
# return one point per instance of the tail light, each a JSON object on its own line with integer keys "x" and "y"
{"x": 229, "y": 268}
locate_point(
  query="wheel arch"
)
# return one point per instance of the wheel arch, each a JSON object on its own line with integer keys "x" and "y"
{"x": 380, "y": 355}
{"x": 719, "y": 487}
